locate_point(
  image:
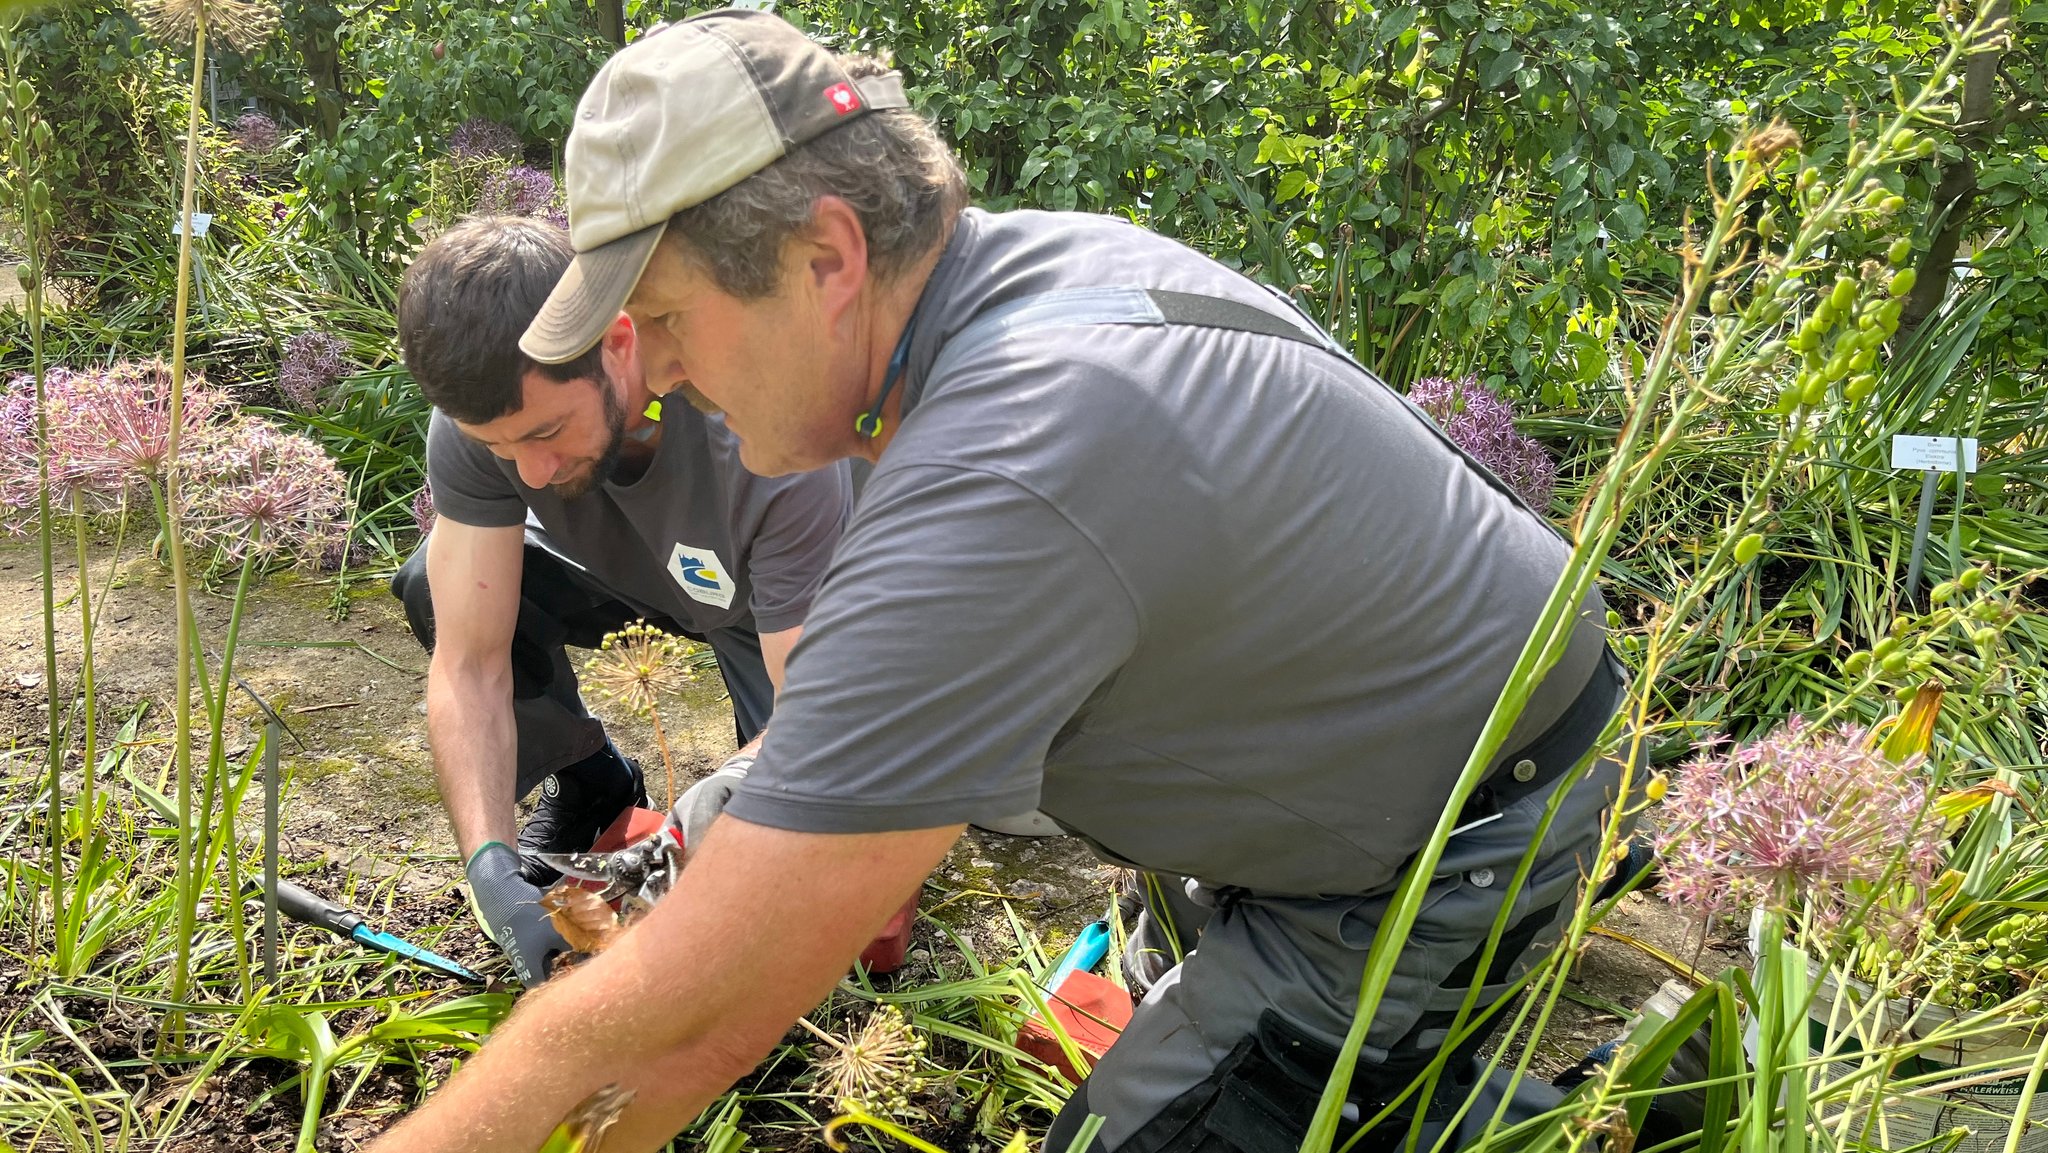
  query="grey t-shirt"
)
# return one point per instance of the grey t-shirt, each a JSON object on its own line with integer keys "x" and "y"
{"x": 697, "y": 538}
{"x": 1218, "y": 601}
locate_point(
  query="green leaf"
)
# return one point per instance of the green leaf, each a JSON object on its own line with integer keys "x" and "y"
{"x": 1497, "y": 70}
{"x": 1619, "y": 157}
{"x": 1395, "y": 23}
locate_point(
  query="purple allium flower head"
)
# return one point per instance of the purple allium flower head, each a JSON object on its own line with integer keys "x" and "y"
{"x": 120, "y": 421}
{"x": 1801, "y": 816}
{"x": 258, "y": 488}
{"x": 423, "y": 512}
{"x": 1484, "y": 425}
{"x": 313, "y": 363}
{"x": 20, "y": 473}
{"x": 109, "y": 434}
{"x": 517, "y": 191}
{"x": 479, "y": 138}
{"x": 559, "y": 217}
{"x": 256, "y": 134}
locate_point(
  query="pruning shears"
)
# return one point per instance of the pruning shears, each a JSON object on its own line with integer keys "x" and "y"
{"x": 646, "y": 869}
{"x": 307, "y": 909}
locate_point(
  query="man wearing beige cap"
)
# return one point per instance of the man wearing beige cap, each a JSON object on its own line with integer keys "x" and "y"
{"x": 1142, "y": 548}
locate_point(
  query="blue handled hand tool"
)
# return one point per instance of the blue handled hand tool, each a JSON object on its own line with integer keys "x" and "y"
{"x": 1084, "y": 954}
{"x": 307, "y": 909}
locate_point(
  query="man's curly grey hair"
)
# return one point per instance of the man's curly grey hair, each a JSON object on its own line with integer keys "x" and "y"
{"x": 890, "y": 165}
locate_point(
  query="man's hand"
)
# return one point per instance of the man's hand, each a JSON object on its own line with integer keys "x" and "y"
{"x": 701, "y": 803}
{"x": 509, "y": 910}
{"x": 758, "y": 931}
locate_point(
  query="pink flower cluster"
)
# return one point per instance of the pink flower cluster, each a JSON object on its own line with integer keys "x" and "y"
{"x": 424, "y": 514}
{"x": 109, "y": 433}
{"x": 244, "y": 482}
{"x": 314, "y": 362}
{"x": 480, "y": 138}
{"x": 517, "y": 191}
{"x": 1811, "y": 818}
{"x": 1484, "y": 425}
{"x": 258, "y": 489}
{"x": 256, "y": 134}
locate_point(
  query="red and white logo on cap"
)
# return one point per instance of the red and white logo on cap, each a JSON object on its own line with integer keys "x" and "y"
{"x": 844, "y": 99}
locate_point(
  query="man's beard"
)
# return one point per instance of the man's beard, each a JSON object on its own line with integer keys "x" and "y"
{"x": 607, "y": 463}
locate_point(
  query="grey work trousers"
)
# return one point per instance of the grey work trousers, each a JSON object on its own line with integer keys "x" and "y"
{"x": 1230, "y": 1048}
{"x": 562, "y": 606}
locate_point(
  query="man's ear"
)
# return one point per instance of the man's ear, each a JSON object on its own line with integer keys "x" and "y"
{"x": 620, "y": 348}
{"x": 834, "y": 255}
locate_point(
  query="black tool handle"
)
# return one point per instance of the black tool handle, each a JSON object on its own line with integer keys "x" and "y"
{"x": 307, "y": 909}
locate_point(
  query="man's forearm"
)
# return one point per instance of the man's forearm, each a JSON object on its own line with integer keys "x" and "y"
{"x": 756, "y": 933}
{"x": 566, "y": 1039}
{"x": 475, "y": 746}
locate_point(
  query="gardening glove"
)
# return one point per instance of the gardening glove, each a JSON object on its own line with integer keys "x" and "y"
{"x": 509, "y": 910}
{"x": 701, "y": 803}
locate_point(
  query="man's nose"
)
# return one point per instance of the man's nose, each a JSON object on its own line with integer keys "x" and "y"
{"x": 537, "y": 468}
{"x": 659, "y": 360}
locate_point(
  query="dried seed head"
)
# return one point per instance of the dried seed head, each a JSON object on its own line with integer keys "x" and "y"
{"x": 875, "y": 1069}
{"x": 1772, "y": 141}
{"x": 637, "y": 666}
{"x": 241, "y": 24}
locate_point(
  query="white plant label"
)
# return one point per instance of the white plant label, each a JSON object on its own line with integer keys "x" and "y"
{"x": 201, "y": 221}
{"x": 1933, "y": 453}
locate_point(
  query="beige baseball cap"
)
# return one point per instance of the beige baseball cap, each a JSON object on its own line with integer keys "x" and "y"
{"x": 673, "y": 119}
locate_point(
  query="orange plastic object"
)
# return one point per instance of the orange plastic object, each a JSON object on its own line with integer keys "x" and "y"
{"x": 884, "y": 955}
{"x": 1092, "y": 1010}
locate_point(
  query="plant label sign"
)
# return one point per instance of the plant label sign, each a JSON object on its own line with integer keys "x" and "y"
{"x": 201, "y": 222}
{"x": 1933, "y": 453}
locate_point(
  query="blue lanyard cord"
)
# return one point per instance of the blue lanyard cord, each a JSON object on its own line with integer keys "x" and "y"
{"x": 869, "y": 423}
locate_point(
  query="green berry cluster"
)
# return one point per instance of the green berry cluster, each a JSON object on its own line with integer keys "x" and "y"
{"x": 1916, "y": 647}
{"x": 1982, "y": 972}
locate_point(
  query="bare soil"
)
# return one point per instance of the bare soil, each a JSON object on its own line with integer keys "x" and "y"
{"x": 334, "y": 658}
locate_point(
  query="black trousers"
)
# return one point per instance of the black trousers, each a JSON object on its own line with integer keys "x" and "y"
{"x": 562, "y": 606}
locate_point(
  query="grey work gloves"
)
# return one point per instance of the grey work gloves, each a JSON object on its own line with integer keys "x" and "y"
{"x": 509, "y": 910}
{"x": 701, "y": 803}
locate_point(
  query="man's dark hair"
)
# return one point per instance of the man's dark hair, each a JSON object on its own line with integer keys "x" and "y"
{"x": 465, "y": 302}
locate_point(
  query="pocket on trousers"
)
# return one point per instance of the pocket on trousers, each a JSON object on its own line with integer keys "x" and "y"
{"x": 1259, "y": 1100}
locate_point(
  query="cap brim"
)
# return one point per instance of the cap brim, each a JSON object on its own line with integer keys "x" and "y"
{"x": 589, "y": 296}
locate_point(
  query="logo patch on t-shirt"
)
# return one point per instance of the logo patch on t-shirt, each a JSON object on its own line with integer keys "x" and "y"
{"x": 702, "y": 575}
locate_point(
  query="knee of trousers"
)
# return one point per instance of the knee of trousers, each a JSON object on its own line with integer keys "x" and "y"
{"x": 409, "y": 585}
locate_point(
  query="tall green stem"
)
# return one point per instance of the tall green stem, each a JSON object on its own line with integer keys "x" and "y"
{"x": 174, "y": 536}
{"x": 88, "y": 799}
{"x": 218, "y": 787}
{"x": 33, "y": 204}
